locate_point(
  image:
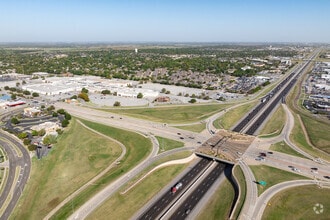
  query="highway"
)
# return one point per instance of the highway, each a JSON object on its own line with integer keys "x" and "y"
{"x": 14, "y": 189}
{"x": 195, "y": 196}
{"x": 160, "y": 206}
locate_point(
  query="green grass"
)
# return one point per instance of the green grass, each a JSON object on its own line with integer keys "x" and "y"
{"x": 284, "y": 148}
{"x": 218, "y": 207}
{"x": 124, "y": 206}
{"x": 173, "y": 114}
{"x": 78, "y": 156}
{"x": 275, "y": 124}
{"x": 194, "y": 127}
{"x": 297, "y": 136}
{"x": 241, "y": 181}
{"x": 297, "y": 203}
{"x": 166, "y": 144}
{"x": 231, "y": 117}
{"x": 272, "y": 176}
{"x": 138, "y": 147}
{"x": 318, "y": 133}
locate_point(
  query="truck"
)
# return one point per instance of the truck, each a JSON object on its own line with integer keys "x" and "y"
{"x": 175, "y": 188}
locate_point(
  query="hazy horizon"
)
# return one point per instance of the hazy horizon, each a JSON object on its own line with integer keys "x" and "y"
{"x": 146, "y": 21}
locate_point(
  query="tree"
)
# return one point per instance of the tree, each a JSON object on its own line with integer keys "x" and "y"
{"x": 84, "y": 90}
{"x": 49, "y": 139}
{"x": 140, "y": 95}
{"x": 51, "y": 108}
{"x": 22, "y": 135}
{"x": 26, "y": 141}
{"x": 13, "y": 96}
{"x": 116, "y": 104}
{"x": 106, "y": 92}
{"x": 26, "y": 92}
{"x": 32, "y": 147}
{"x": 6, "y": 87}
{"x": 65, "y": 123}
{"x": 192, "y": 101}
{"x": 18, "y": 84}
{"x": 84, "y": 96}
{"x": 163, "y": 90}
{"x": 34, "y": 133}
{"x": 41, "y": 132}
{"x": 67, "y": 116}
{"x": 35, "y": 94}
{"x": 61, "y": 111}
{"x": 14, "y": 121}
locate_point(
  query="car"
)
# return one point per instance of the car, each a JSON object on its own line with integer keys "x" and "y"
{"x": 179, "y": 133}
{"x": 327, "y": 177}
{"x": 187, "y": 211}
{"x": 181, "y": 138}
{"x": 296, "y": 169}
{"x": 269, "y": 152}
{"x": 198, "y": 142}
{"x": 263, "y": 154}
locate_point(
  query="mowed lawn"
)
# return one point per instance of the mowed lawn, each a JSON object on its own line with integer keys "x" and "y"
{"x": 173, "y": 114}
{"x": 272, "y": 176}
{"x": 276, "y": 123}
{"x": 298, "y": 203}
{"x": 230, "y": 118}
{"x": 124, "y": 206}
{"x": 79, "y": 155}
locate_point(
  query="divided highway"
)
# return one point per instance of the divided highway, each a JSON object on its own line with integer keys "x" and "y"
{"x": 163, "y": 203}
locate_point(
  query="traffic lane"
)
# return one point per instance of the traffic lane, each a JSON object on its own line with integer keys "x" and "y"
{"x": 161, "y": 204}
{"x": 11, "y": 174}
{"x": 14, "y": 161}
{"x": 191, "y": 201}
{"x": 287, "y": 162}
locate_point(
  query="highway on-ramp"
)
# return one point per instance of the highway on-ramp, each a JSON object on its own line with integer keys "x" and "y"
{"x": 15, "y": 183}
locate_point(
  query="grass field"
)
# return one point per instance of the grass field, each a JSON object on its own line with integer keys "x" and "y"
{"x": 194, "y": 127}
{"x": 78, "y": 156}
{"x": 275, "y": 124}
{"x": 272, "y": 176}
{"x": 137, "y": 148}
{"x": 166, "y": 144}
{"x": 173, "y": 114}
{"x": 318, "y": 133}
{"x": 297, "y": 136}
{"x": 298, "y": 203}
{"x": 230, "y": 118}
{"x": 284, "y": 148}
{"x": 123, "y": 206}
{"x": 241, "y": 180}
{"x": 219, "y": 206}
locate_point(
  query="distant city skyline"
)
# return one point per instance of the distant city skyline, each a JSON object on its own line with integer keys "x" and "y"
{"x": 165, "y": 21}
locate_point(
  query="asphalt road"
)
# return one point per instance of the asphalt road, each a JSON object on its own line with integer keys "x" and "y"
{"x": 15, "y": 161}
{"x": 195, "y": 196}
{"x": 164, "y": 201}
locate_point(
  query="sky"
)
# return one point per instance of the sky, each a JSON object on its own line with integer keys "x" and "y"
{"x": 165, "y": 21}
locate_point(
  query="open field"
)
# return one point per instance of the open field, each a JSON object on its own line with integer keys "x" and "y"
{"x": 194, "y": 127}
{"x": 318, "y": 133}
{"x": 78, "y": 156}
{"x": 166, "y": 144}
{"x": 272, "y": 176}
{"x": 241, "y": 180}
{"x": 230, "y": 118}
{"x": 298, "y": 203}
{"x": 137, "y": 148}
{"x": 284, "y": 148}
{"x": 173, "y": 114}
{"x": 219, "y": 206}
{"x": 275, "y": 123}
{"x": 297, "y": 136}
{"x": 123, "y": 206}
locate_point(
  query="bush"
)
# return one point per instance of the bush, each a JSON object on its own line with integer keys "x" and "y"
{"x": 14, "y": 121}
{"x": 22, "y": 135}
{"x": 65, "y": 123}
{"x": 116, "y": 104}
{"x": 84, "y": 96}
{"x": 34, "y": 133}
{"x": 61, "y": 111}
{"x": 35, "y": 94}
{"x": 32, "y": 147}
{"x": 42, "y": 132}
{"x": 140, "y": 95}
{"x": 26, "y": 141}
{"x": 192, "y": 101}
{"x": 67, "y": 116}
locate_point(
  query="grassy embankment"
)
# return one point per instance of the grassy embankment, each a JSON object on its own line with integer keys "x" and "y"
{"x": 79, "y": 155}
{"x": 137, "y": 148}
{"x": 241, "y": 181}
{"x": 219, "y": 206}
{"x": 275, "y": 124}
{"x": 230, "y": 118}
{"x": 194, "y": 127}
{"x": 124, "y": 206}
{"x": 298, "y": 203}
{"x": 272, "y": 176}
{"x": 284, "y": 148}
{"x": 317, "y": 130}
{"x": 173, "y": 114}
{"x": 166, "y": 144}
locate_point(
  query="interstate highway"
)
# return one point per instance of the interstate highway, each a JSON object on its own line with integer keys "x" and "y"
{"x": 165, "y": 200}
